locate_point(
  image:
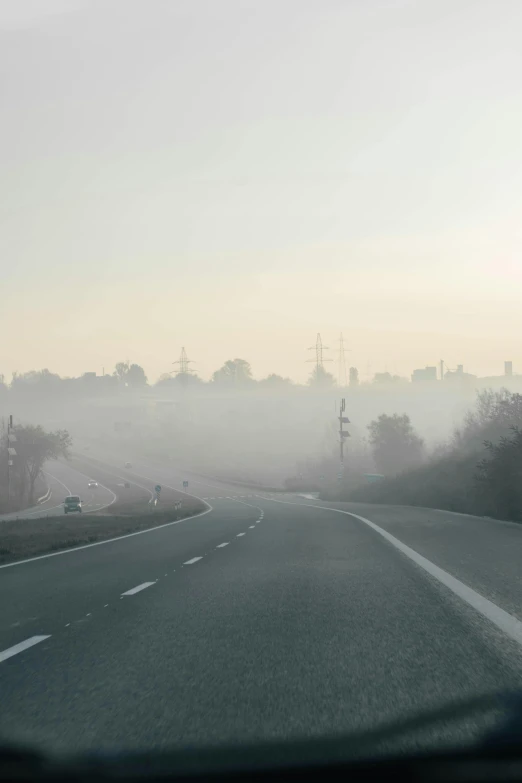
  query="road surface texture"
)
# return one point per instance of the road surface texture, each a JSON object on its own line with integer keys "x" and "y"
{"x": 264, "y": 617}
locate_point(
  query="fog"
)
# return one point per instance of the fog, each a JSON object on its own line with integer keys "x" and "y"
{"x": 257, "y": 432}
{"x": 236, "y": 176}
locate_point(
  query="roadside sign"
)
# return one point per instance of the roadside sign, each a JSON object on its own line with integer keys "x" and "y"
{"x": 185, "y": 484}
{"x": 373, "y": 478}
{"x": 158, "y": 487}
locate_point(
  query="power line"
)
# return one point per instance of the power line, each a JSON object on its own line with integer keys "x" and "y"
{"x": 184, "y": 363}
{"x": 319, "y": 348}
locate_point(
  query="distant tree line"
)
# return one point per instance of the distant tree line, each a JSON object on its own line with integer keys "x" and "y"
{"x": 478, "y": 471}
{"x": 235, "y": 373}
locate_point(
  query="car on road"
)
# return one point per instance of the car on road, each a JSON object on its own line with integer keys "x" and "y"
{"x": 128, "y": 465}
{"x": 92, "y": 484}
{"x": 72, "y": 503}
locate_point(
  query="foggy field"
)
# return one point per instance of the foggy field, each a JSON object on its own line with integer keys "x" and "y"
{"x": 23, "y": 538}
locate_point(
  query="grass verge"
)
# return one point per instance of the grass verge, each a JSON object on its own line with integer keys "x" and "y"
{"x": 20, "y": 539}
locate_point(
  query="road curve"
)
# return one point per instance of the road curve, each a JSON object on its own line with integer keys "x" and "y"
{"x": 258, "y": 619}
{"x": 63, "y": 479}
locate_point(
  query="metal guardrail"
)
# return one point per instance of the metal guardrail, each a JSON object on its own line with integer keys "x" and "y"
{"x": 44, "y": 497}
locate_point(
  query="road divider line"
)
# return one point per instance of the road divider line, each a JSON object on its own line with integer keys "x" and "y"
{"x": 251, "y": 527}
{"x": 220, "y": 546}
{"x": 194, "y": 560}
{"x": 499, "y": 617}
{"x": 139, "y": 588}
{"x": 18, "y": 648}
{"x": 240, "y": 534}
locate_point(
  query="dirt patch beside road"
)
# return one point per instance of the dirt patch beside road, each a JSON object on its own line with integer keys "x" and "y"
{"x": 25, "y": 538}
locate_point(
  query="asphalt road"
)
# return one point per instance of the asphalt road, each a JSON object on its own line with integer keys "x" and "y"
{"x": 265, "y": 617}
{"x": 63, "y": 479}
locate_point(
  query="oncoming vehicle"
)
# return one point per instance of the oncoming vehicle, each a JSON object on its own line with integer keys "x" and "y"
{"x": 128, "y": 465}
{"x": 92, "y": 484}
{"x": 72, "y": 503}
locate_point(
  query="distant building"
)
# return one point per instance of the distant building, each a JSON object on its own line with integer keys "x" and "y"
{"x": 427, "y": 374}
{"x": 354, "y": 376}
{"x": 459, "y": 374}
{"x": 508, "y": 369}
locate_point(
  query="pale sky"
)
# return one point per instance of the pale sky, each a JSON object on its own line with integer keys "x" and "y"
{"x": 234, "y": 176}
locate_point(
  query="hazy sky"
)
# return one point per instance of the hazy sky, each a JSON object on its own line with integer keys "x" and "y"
{"x": 235, "y": 176}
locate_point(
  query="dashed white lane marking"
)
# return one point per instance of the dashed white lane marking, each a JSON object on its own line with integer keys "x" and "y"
{"x": 240, "y": 534}
{"x": 251, "y": 527}
{"x": 194, "y": 560}
{"x": 219, "y": 546}
{"x": 138, "y": 588}
{"x": 18, "y": 648}
{"x": 502, "y": 619}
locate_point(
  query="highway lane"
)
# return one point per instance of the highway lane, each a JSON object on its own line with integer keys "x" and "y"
{"x": 64, "y": 480}
{"x": 306, "y": 623}
{"x": 47, "y": 593}
{"x": 486, "y": 554}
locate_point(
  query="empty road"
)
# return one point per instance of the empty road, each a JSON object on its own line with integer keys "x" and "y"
{"x": 264, "y": 617}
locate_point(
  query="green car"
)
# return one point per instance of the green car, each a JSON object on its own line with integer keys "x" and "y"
{"x": 72, "y": 503}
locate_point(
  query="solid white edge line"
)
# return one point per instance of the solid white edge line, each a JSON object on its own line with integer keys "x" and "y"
{"x": 108, "y": 540}
{"x": 193, "y": 560}
{"x": 499, "y": 617}
{"x": 139, "y": 588}
{"x": 18, "y": 648}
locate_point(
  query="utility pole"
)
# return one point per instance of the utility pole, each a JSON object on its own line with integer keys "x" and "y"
{"x": 183, "y": 370}
{"x": 183, "y": 363}
{"x": 342, "y": 435}
{"x": 11, "y": 452}
{"x": 319, "y": 358}
{"x": 319, "y": 348}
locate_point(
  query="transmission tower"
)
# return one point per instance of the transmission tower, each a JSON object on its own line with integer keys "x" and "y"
{"x": 319, "y": 348}
{"x": 342, "y": 380}
{"x": 183, "y": 363}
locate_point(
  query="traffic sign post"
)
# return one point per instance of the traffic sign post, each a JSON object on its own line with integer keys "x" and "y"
{"x": 157, "y": 488}
{"x": 342, "y": 435}
{"x": 185, "y": 485}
